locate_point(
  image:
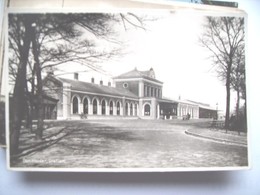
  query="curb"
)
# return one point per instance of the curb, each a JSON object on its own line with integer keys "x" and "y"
{"x": 216, "y": 139}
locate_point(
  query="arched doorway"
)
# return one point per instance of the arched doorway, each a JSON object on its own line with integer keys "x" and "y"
{"x": 85, "y": 106}
{"x": 75, "y": 105}
{"x": 135, "y": 109}
{"x": 131, "y": 109}
{"x": 118, "y": 108}
{"x": 147, "y": 110}
{"x": 111, "y": 108}
{"x": 126, "y": 109}
{"x": 94, "y": 106}
{"x": 103, "y": 107}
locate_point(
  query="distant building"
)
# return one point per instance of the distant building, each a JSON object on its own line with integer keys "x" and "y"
{"x": 136, "y": 94}
{"x": 205, "y": 110}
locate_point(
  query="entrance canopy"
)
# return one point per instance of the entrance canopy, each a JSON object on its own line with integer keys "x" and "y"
{"x": 168, "y": 108}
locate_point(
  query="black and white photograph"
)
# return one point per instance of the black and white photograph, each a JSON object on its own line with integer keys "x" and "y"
{"x": 135, "y": 90}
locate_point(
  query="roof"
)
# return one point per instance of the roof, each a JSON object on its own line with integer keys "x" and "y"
{"x": 202, "y": 105}
{"x": 190, "y": 102}
{"x": 166, "y": 99}
{"x": 207, "y": 107}
{"x": 98, "y": 89}
{"x": 187, "y": 102}
{"x": 138, "y": 74}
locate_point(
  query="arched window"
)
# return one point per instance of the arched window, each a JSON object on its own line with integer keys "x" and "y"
{"x": 95, "y": 106}
{"x": 118, "y": 108}
{"x": 126, "y": 109}
{"x": 135, "y": 109}
{"x": 147, "y": 110}
{"x": 75, "y": 107}
{"x": 111, "y": 108}
{"x": 131, "y": 109}
{"x": 103, "y": 107}
{"x": 85, "y": 106}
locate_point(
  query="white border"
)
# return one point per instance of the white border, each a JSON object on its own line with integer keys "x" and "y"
{"x": 204, "y": 10}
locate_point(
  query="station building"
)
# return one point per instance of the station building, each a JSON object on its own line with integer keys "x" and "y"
{"x": 134, "y": 94}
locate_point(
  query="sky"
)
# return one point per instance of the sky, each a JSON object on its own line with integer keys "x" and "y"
{"x": 170, "y": 45}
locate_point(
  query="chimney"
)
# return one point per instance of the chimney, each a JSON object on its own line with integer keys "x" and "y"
{"x": 109, "y": 83}
{"x": 92, "y": 80}
{"x": 101, "y": 82}
{"x": 76, "y": 76}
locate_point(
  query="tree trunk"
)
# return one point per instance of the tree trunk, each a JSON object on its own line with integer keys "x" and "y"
{"x": 31, "y": 105}
{"x": 29, "y": 122}
{"x": 237, "y": 110}
{"x": 39, "y": 93}
{"x": 228, "y": 97}
{"x": 19, "y": 100}
{"x": 17, "y": 110}
{"x": 28, "y": 110}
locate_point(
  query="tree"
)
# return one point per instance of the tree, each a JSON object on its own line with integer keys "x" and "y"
{"x": 238, "y": 76}
{"x": 50, "y": 40}
{"x": 239, "y": 86}
{"x": 223, "y": 37}
{"x": 23, "y": 43}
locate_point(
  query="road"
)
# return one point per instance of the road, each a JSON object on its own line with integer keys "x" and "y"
{"x": 133, "y": 144}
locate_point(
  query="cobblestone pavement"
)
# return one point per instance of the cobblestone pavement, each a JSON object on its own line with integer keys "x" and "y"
{"x": 128, "y": 144}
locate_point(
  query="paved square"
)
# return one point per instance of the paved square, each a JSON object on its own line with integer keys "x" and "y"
{"x": 128, "y": 144}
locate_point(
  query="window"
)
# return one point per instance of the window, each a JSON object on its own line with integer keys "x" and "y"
{"x": 125, "y": 85}
{"x": 155, "y": 92}
{"x": 151, "y": 91}
{"x": 95, "y": 106}
{"x": 148, "y": 91}
{"x": 147, "y": 110}
{"x": 75, "y": 106}
{"x": 118, "y": 108}
{"x": 103, "y": 107}
{"x": 111, "y": 108}
{"x": 145, "y": 90}
{"x": 85, "y": 106}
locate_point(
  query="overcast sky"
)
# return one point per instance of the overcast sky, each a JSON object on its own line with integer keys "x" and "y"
{"x": 170, "y": 46}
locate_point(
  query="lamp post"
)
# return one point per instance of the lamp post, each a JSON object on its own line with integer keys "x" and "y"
{"x": 216, "y": 111}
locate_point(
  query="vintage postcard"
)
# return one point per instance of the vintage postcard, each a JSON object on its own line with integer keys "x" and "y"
{"x": 127, "y": 90}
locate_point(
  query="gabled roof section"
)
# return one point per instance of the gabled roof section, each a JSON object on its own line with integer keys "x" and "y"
{"x": 97, "y": 89}
{"x": 149, "y": 74}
